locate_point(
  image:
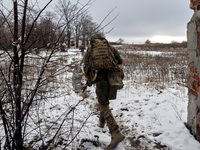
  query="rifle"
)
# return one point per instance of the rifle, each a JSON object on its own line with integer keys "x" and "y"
{"x": 85, "y": 87}
{"x": 88, "y": 83}
{"x": 91, "y": 79}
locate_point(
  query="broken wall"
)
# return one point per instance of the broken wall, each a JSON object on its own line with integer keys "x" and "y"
{"x": 193, "y": 39}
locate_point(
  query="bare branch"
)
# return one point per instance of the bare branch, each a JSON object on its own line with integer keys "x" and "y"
{"x": 108, "y": 23}
{"x": 106, "y": 17}
{"x": 35, "y": 21}
{"x": 6, "y": 20}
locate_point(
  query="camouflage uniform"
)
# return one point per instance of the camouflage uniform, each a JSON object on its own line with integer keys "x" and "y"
{"x": 103, "y": 90}
{"x": 104, "y": 93}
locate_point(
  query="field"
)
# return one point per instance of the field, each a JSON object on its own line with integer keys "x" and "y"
{"x": 151, "y": 109}
{"x": 157, "y": 64}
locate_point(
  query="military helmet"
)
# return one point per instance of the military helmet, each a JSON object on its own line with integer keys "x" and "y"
{"x": 97, "y": 36}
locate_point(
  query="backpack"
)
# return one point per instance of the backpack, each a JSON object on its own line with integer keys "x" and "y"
{"x": 115, "y": 79}
{"x": 101, "y": 56}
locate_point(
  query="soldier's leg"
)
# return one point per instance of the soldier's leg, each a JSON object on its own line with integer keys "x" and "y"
{"x": 102, "y": 120}
{"x": 116, "y": 136}
{"x": 102, "y": 91}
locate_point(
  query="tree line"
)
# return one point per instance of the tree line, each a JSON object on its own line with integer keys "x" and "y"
{"x": 71, "y": 22}
{"x": 30, "y": 37}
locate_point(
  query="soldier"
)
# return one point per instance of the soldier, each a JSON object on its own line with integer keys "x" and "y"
{"x": 104, "y": 93}
{"x": 82, "y": 48}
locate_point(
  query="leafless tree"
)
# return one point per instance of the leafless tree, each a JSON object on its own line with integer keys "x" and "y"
{"x": 88, "y": 28}
{"x": 82, "y": 26}
{"x": 26, "y": 75}
{"x": 30, "y": 39}
{"x": 68, "y": 11}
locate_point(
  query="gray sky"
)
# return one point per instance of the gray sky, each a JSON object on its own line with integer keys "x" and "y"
{"x": 139, "y": 20}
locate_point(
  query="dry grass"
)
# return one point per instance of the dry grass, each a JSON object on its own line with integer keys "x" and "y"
{"x": 156, "y": 65}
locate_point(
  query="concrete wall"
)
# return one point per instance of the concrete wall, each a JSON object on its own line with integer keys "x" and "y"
{"x": 193, "y": 37}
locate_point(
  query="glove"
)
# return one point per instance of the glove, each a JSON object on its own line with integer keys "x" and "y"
{"x": 122, "y": 73}
{"x": 89, "y": 82}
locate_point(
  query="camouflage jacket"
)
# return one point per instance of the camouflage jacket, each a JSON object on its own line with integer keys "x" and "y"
{"x": 101, "y": 75}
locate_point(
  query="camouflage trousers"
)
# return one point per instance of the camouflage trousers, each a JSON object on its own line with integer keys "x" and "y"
{"x": 103, "y": 94}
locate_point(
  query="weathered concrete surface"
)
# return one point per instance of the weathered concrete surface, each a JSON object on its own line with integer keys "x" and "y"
{"x": 193, "y": 39}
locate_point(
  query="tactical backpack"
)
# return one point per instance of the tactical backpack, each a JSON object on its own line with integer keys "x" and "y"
{"x": 101, "y": 56}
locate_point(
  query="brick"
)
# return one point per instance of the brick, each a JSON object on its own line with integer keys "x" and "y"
{"x": 196, "y": 77}
{"x": 192, "y": 69}
{"x": 196, "y": 70}
{"x": 194, "y": 87}
{"x": 195, "y": 3}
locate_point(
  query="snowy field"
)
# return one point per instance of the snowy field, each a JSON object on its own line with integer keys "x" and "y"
{"x": 158, "y": 116}
{"x": 151, "y": 117}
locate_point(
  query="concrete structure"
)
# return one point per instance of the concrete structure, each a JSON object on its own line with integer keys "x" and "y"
{"x": 193, "y": 37}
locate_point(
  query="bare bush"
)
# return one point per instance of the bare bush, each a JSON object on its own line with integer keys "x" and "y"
{"x": 158, "y": 66}
{"x": 30, "y": 73}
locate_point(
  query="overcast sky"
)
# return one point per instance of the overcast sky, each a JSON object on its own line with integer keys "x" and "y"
{"x": 139, "y": 20}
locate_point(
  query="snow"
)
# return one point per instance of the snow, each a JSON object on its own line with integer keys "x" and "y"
{"x": 150, "y": 112}
{"x": 158, "y": 114}
{"x": 152, "y": 52}
{"x": 163, "y": 112}
{"x": 152, "y": 115}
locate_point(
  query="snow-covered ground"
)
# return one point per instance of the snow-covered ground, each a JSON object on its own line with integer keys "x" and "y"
{"x": 146, "y": 115}
{"x": 156, "y": 115}
{"x": 150, "y": 117}
{"x": 144, "y": 111}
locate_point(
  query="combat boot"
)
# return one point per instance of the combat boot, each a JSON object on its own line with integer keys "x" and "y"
{"x": 116, "y": 136}
{"x": 115, "y": 140}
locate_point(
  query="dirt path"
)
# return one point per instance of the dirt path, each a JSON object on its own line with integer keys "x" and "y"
{"x": 76, "y": 79}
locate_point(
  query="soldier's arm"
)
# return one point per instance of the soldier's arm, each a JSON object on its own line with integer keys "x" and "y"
{"x": 117, "y": 55}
